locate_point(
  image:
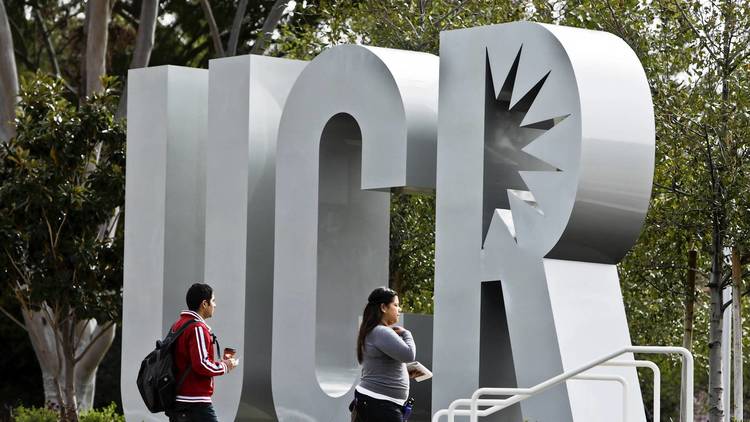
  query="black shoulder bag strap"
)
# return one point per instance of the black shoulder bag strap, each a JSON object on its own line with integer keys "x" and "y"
{"x": 177, "y": 335}
{"x": 216, "y": 343}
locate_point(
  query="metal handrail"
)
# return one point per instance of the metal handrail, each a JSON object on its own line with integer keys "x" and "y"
{"x": 503, "y": 403}
{"x": 617, "y": 378}
{"x": 519, "y": 394}
{"x": 657, "y": 380}
{"x": 499, "y": 404}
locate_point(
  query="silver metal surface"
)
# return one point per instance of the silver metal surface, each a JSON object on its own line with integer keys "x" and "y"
{"x": 543, "y": 174}
{"x": 545, "y": 150}
{"x": 245, "y": 100}
{"x": 164, "y": 212}
{"x": 358, "y": 122}
{"x": 420, "y": 327}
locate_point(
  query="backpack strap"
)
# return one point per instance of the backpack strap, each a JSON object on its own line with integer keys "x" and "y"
{"x": 183, "y": 328}
{"x": 216, "y": 343}
{"x": 176, "y": 335}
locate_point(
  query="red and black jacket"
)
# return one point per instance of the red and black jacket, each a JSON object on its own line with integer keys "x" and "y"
{"x": 195, "y": 350}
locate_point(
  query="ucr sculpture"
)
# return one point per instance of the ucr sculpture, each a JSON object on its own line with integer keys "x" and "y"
{"x": 270, "y": 178}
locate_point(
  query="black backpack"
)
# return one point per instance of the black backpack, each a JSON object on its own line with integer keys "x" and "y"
{"x": 157, "y": 378}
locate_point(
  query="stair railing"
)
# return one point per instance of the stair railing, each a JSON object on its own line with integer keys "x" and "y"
{"x": 520, "y": 394}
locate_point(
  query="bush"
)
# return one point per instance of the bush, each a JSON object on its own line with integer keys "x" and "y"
{"x": 45, "y": 414}
{"x": 105, "y": 414}
{"x": 35, "y": 414}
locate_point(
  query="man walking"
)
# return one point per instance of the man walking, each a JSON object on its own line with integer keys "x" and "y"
{"x": 194, "y": 354}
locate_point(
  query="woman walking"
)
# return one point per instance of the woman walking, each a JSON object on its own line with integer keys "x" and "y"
{"x": 382, "y": 349}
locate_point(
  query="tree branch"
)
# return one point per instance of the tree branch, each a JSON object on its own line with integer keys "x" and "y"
{"x": 93, "y": 341}
{"x": 451, "y": 13}
{"x": 15, "y": 266}
{"x": 673, "y": 189}
{"x": 98, "y": 13}
{"x": 618, "y": 25}
{"x": 51, "y": 236}
{"x": 144, "y": 45}
{"x": 12, "y": 318}
{"x": 59, "y": 229}
{"x": 8, "y": 78}
{"x": 122, "y": 11}
{"x": 215, "y": 36}
{"x": 234, "y": 35}
{"x": 47, "y": 42}
{"x": 272, "y": 19}
{"x": 697, "y": 33}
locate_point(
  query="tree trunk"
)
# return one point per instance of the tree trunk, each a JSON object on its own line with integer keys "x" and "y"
{"x": 86, "y": 367}
{"x": 396, "y": 282}
{"x": 687, "y": 336}
{"x": 47, "y": 42}
{"x": 56, "y": 366}
{"x": 144, "y": 44}
{"x": 8, "y": 78}
{"x": 213, "y": 27}
{"x": 96, "y": 44}
{"x": 715, "y": 387}
{"x": 43, "y": 343}
{"x": 687, "y": 333}
{"x": 234, "y": 35}
{"x": 737, "y": 390}
{"x": 273, "y": 18}
{"x": 69, "y": 401}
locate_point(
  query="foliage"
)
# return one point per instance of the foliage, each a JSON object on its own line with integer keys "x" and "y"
{"x": 182, "y": 34}
{"x": 700, "y": 198}
{"x": 406, "y": 25}
{"x": 55, "y": 195}
{"x": 45, "y": 414}
{"x": 61, "y": 187}
{"x": 105, "y": 414}
{"x": 35, "y": 414}
{"x": 412, "y": 255}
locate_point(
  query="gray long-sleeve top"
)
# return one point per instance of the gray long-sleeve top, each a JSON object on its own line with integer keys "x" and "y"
{"x": 383, "y": 358}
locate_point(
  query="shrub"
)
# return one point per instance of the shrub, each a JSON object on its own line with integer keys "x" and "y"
{"x": 105, "y": 414}
{"x": 34, "y": 414}
{"x": 45, "y": 414}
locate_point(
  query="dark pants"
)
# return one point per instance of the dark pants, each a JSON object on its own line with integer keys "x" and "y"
{"x": 374, "y": 410}
{"x": 193, "y": 412}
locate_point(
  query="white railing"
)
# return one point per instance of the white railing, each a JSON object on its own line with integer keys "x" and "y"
{"x": 616, "y": 378}
{"x": 520, "y": 394}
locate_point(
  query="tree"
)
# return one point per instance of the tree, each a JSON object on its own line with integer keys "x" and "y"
{"x": 64, "y": 274}
{"x": 695, "y": 55}
{"x": 8, "y": 77}
{"x": 717, "y": 138}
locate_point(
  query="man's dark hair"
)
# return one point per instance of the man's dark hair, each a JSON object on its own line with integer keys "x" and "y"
{"x": 196, "y": 294}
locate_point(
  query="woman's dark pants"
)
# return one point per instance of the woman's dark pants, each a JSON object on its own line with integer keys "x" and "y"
{"x": 374, "y": 410}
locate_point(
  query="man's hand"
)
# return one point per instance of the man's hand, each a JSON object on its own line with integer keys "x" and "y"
{"x": 231, "y": 363}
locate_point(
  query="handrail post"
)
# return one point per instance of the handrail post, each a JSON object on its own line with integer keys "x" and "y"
{"x": 689, "y": 387}
{"x": 657, "y": 380}
{"x": 616, "y": 378}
